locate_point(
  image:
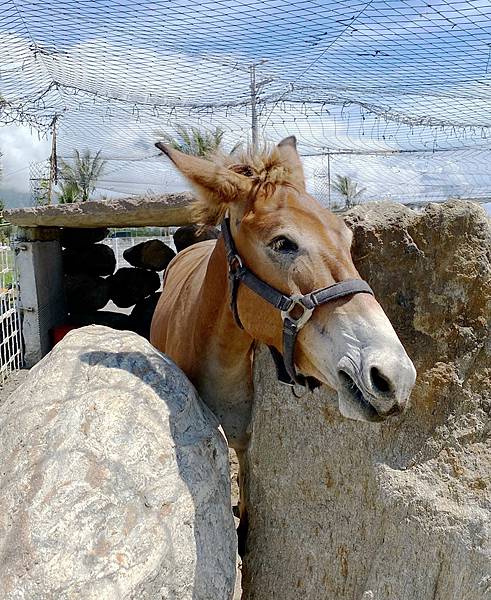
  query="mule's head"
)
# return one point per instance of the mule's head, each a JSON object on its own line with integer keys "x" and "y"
{"x": 291, "y": 242}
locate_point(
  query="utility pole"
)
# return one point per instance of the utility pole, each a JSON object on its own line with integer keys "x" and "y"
{"x": 329, "y": 178}
{"x": 53, "y": 164}
{"x": 255, "y": 89}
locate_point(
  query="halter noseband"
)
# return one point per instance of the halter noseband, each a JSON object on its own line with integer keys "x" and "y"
{"x": 237, "y": 273}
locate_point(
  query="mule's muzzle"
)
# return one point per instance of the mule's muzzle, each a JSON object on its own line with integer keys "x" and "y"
{"x": 377, "y": 388}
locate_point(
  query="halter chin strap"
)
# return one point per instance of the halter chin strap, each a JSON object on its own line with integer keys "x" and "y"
{"x": 295, "y": 310}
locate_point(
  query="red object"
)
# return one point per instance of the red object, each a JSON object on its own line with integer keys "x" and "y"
{"x": 59, "y": 332}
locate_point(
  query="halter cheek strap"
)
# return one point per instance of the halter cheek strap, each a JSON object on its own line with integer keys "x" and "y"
{"x": 302, "y": 305}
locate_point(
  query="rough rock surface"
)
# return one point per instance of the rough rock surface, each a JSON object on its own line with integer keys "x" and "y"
{"x": 153, "y": 254}
{"x": 342, "y": 510}
{"x": 114, "y": 479}
{"x": 80, "y": 238}
{"x": 129, "y": 285}
{"x": 159, "y": 211}
{"x": 192, "y": 234}
{"x": 85, "y": 293}
{"x": 96, "y": 259}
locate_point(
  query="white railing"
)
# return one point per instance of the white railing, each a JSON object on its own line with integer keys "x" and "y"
{"x": 11, "y": 353}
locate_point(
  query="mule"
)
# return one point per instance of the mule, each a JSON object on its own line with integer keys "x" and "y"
{"x": 287, "y": 240}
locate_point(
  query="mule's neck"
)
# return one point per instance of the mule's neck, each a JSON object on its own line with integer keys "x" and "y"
{"x": 225, "y": 352}
{"x": 233, "y": 345}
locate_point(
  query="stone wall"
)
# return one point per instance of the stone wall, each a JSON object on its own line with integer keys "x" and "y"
{"x": 67, "y": 273}
{"x": 92, "y": 281}
{"x": 343, "y": 510}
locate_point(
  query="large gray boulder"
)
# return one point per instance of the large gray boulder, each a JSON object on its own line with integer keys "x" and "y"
{"x": 343, "y": 510}
{"x": 114, "y": 479}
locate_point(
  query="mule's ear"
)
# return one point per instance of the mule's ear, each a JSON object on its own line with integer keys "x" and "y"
{"x": 216, "y": 185}
{"x": 287, "y": 150}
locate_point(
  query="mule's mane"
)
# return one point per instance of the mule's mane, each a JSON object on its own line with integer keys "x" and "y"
{"x": 264, "y": 167}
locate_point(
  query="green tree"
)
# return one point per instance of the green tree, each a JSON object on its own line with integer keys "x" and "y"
{"x": 194, "y": 141}
{"x": 348, "y": 189}
{"x": 4, "y": 233}
{"x": 78, "y": 180}
{"x": 69, "y": 193}
{"x": 41, "y": 191}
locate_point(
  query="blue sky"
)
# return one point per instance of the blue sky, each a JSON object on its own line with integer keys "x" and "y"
{"x": 345, "y": 75}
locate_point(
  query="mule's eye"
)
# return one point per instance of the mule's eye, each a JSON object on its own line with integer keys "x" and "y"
{"x": 283, "y": 244}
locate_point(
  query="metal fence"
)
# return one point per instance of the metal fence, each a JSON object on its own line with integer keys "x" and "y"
{"x": 11, "y": 353}
{"x": 120, "y": 243}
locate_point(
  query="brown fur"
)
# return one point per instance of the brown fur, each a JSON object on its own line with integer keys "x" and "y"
{"x": 193, "y": 323}
{"x": 265, "y": 168}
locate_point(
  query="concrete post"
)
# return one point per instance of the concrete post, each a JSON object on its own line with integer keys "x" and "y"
{"x": 42, "y": 301}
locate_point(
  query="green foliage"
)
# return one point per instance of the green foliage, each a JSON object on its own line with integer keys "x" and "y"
{"x": 348, "y": 189}
{"x": 69, "y": 193}
{"x": 41, "y": 191}
{"x": 193, "y": 141}
{"x": 79, "y": 180}
{"x": 5, "y": 232}
{"x": 2, "y": 218}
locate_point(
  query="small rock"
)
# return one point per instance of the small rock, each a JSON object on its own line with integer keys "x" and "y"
{"x": 142, "y": 313}
{"x": 154, "y": 255}
{"x": 74, "y": 237}
{"x": 86, "y": 292}
{"x": 97, "y": 259}
{"x": 192, "y": 234}
{"x": 114, "y": 320}
{"x": 129, "y": 285}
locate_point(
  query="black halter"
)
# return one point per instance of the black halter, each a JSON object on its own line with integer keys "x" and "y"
{"x": 303, "y": 304}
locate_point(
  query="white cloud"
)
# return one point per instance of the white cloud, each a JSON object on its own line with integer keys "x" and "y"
{"x": 123, "y": 130}
{"x": 20, "y": 146}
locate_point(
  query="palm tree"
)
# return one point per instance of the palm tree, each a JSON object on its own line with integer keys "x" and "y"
{"x": 81, "y": 176}
{"x": 194, "y": 141}
{"x": 348, "y": 189}
{"x": 69, "y": 193}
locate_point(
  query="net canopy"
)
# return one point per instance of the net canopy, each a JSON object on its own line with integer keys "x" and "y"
{"x": 393, "y": 93}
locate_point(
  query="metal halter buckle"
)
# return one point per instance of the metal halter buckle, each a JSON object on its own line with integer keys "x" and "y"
{"x": 234, "y": 263}
{"x": 304, "y": 317}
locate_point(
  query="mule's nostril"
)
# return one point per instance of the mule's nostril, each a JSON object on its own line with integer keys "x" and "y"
{"x": 379, "y": 382}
